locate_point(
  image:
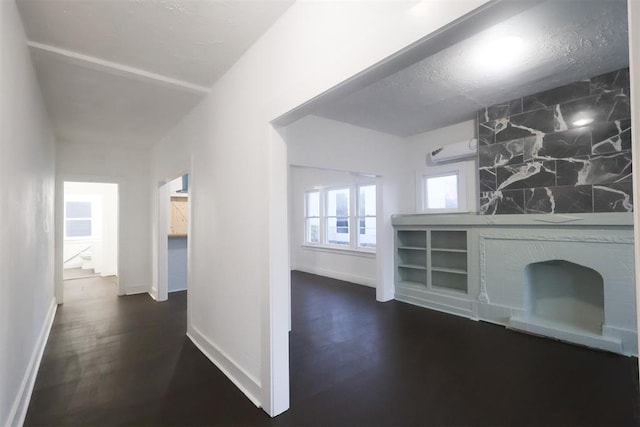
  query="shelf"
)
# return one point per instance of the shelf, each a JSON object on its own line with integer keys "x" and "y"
{"x": 449, "y": 279}
{"x": 413, "y": 266}
{"x": 448, "y": 270}
{"x": 409, "y": 283}
{"x": 412, "y": 248}
{"x": 449, "y": 289}
{"x": 462, "y": 251}
{"x": 454, "y": 261}
{"x": 449, "y": 239}
{"x": 412, "y": 238}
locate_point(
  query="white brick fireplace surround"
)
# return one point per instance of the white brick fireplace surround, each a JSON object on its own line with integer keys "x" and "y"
{"x": 568, "y": 277}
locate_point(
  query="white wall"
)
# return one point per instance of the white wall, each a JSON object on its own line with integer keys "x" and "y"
{"x": 130, "y": 169}
{"x": 418, "y": 146}
{"x": 27, "y": 304}
{"x": 240, "y": 273}
{"x": 104, "y": 251}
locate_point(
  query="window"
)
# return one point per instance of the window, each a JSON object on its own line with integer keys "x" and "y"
{"x": 78, "y": 219}
{"x": 312, "y": 217}
{"x": 367, "y": 216}
{"x": 337, "y": 217}
{"x": 343, "y": 217}
{"x": 442, "y": 189}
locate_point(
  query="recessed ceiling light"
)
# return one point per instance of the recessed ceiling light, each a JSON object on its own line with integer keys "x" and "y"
{"x": 500, "y": 54}
{"x": 582, "y": 121}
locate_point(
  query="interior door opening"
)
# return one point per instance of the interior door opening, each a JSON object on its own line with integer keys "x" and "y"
{"x": 178, "y": 234}
{"x": 90, "y": 238}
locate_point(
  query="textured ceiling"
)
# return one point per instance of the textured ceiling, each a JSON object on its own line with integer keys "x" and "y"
{"x": 125, "y": 71}
{"x": 562, "y": 41}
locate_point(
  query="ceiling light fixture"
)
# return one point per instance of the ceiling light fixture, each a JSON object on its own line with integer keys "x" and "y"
{"x": 582, "y": 119}
{"x": 499, "y": 55}
{"x": 582, "y": 122}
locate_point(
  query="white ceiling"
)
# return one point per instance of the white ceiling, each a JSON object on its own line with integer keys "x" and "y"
{"x": 563, "y": 41}
{"x": 125, "y": 71}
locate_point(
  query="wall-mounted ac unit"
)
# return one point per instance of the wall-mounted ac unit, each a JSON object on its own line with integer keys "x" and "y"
{"x": 455, "y": 151}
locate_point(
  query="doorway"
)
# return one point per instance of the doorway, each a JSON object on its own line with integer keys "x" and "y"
{"x": 177, "y": 238}
{"x": 90, "y": 238}
{"x": 173, "y": 238}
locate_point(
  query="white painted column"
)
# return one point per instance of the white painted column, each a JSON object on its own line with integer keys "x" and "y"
{"x": 385, "y": 207}
{"x": 161, "y": 291}
{"x": 275, "y": 302}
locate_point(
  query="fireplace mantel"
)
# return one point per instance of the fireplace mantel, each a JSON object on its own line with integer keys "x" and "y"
{"x": 474, "y": 266}
{"x": 546, "y": 220}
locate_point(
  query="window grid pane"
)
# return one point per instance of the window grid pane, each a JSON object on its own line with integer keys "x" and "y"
{"x": 312, "y": 208}
{"x": 78, "y": 228}
{"x": 338, "y": 202}
{"x": 312, "y": 227}
{"x": 442, "y": 191}
{"x": 367, "y": 232}
{"x": 78, "y": 210}
{"x": 338, "y": 231}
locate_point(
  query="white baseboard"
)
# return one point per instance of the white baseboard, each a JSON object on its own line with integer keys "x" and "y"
{"x": 136, "y": 289}
{"x": 178, "y": 290}
{"x": 21, "y": 404}
{"x": 249, "y": 385}
{"x": 359, "y": 280}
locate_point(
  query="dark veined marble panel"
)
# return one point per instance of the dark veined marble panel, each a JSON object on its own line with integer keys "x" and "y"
{"x": 505, "y": 153}
{"x": 611, "y": 137}
{"x": 571, "y": 143}
{"x": 500, "y": 111}
{"x": 548, "y": 98}
{"x": 486, "y": 133}
{"x": 487, "y": 180}
{"x": 528, "y": 175}
{"x": 605, "y": 107}
{"x": 611, "y": 82}
{"x": 502, "y": 202}
{"x": 601, "y": 169}
{"x": 617, "y": 197}
{"x": 525, "y": 125}
{"x": 564, "y": 150}
{"x": 569, "y": 199}
{"x": 568, "y": 170}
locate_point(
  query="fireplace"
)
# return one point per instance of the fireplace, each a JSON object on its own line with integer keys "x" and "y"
{"x": 565, "y": 284}
{"x": 566, "y": 293}
{"x": 566, "y": 277}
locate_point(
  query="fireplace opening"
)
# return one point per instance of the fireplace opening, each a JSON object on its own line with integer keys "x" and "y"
{"x": 560, "y": 291}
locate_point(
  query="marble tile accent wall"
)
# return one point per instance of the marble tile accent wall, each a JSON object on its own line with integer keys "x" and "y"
{"x": 565, "y": 150}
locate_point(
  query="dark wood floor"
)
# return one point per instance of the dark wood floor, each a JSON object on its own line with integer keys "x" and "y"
{"x": 126, "y": 361}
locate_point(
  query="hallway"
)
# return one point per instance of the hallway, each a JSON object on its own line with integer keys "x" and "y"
{"x": 126, "y": 361}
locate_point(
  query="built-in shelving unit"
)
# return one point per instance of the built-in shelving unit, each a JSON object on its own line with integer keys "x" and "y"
{"x": 435, "y": 259}
{"x": 448, "y": 252}
{"x": 411, "y": 256}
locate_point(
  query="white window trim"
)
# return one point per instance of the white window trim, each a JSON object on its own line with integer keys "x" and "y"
{"x": 464, "y": 170}
{"x": 306, "y": 217}
{"x": 353, "y": 246}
